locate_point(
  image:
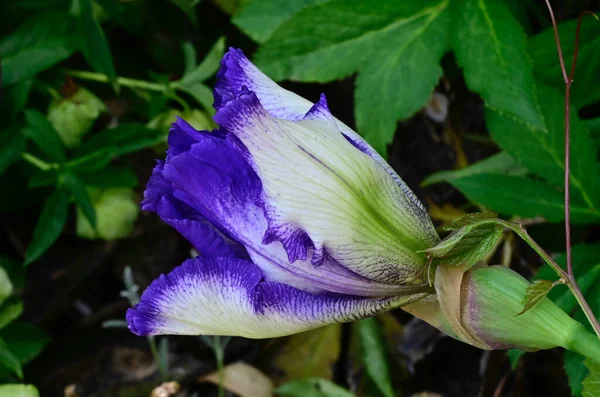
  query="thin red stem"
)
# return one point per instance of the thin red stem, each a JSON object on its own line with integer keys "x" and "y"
{"x": 570, "y": 279}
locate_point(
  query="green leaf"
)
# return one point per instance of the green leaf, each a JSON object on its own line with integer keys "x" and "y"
{"x": 542, "y": 49}
{"x": 44, "y": 135}
{"x": 111, "y": 176}
{"x": 188, "y": 8}
{"x": 312, "y": 387}
{"x": 516, "y": 195}
{"x": 576, "y": 371}
{"x": 6, "y": 287}
{"x": 467, "y": 245}
{"x": 394, "y": 46}
{"x": 591, "y": 384}
{"x": 110, "y": 143}
{"x": 92, "y": 39}
{"x": 470, "y": 220}
{"x": 514, "y": 356}
{"x": 189, "y": 57}
{"x": 37, "y": 30}
{"x": 12, "y": 145}
{"x": 49, "y": 225}
{"x": 202, "y": 94}
{"x": 207, "y": 68}
{"x": 10, "y": 362}
{"x": 542, "y": 150}
{"x": 489, "y": 43}
{"x": 500, "y": 163}
{"x": 13, "y": 100}
{"x": 15, "y": 271}
{"x": 81, "y": 196}
{"x": 28, "y": 62}
{"x": 9, "y": 311}
{"x": 24, "y": 340}
{"x": 18, "y": 391}
{"x": 534, "y": 293}
{"x": 260, "y": 18}
{"x": 374, "y": 355}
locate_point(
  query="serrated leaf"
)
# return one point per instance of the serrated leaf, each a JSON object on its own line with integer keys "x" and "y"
{"x": 313, "y": 387}
{"x": 534, "y": 293}
{"x": 39, "y": 130}
{"x": 93, "y": 42}
{"x": 49, "y": 225}
{"x": 576, "y": 371}
{"x": 9, "y": 361}
{"x": 542, "y": 150}
{"x": 394, "y": 46}
{"x": 542, "y": 49}
{"x": 470, "y": 243}
{"x": 24, "y": 340}
{"x": 18, "y": 391}
{"x": 207, "y": 68}
{"x": 470, "y": 219}
{"x": 526, "y": 197}
{"x": 10, "y": 311}
{"x": 591, "y": 384}
{"x": 260, "y": 18}
{"x": 28, "y": 62}
{"x": 82, "y": 198}
{"x": 501, "y": 163}
{"x": 374, "y": 355}
{"x": 489, "y": 44}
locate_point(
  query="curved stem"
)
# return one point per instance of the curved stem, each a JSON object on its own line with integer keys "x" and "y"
{"x": 219, "y": 357}
{"x": 124, "y": 81}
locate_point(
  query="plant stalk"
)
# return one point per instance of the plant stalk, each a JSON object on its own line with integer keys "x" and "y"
{"x": 124, "y": 81}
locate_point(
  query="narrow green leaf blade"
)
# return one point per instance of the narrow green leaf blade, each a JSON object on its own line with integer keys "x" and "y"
{"x": 516, "y": 195}
{"x": 208, "y": 66}
{"x": 534, "y": 293}
{"x": 501, "y": 163}
{"x": 6, "y": 287}
{"x": 374, "y": 355}
{"x": 28, "y": 62}
{"x": 12, "y": 145}
{"x": 81, "y": 196}
{"x": 10, "y": 362}
{"x": 92, "y": 39}
{"x": 49, "y": 226}
{"x": 24, "y": 340}
{"x": 44, "y": 135}
{"x": 10, "y": 311}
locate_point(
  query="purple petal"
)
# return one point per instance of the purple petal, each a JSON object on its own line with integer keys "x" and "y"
{"x": 226, "y": 296}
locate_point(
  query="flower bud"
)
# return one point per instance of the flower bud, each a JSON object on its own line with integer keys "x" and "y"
{"x": 74, "y": 116}
{"x": 481, "y": 307}
{"x": 116, "y": 213}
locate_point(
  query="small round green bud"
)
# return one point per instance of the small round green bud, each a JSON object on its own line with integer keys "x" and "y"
{"x": 116, "y": 213}
{"x": 73, "y": 117}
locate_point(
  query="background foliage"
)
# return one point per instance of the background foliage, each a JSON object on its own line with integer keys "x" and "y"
{"x": 464, "y": 97}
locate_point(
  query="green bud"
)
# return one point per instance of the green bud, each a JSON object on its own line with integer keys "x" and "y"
{"x": 116, "y": 213}
{"x": 196, "y": 118}
{"x": 482, "y": 307}
{"x": 73, "y": 117}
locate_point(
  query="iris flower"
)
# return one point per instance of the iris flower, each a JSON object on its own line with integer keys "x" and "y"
{"x": 298, "y": 221}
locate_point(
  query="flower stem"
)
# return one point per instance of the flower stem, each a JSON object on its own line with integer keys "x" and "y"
{"x": 39, "y": 163}
{"x": 219, "y": 357}
{"x": 124, "y": 81}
